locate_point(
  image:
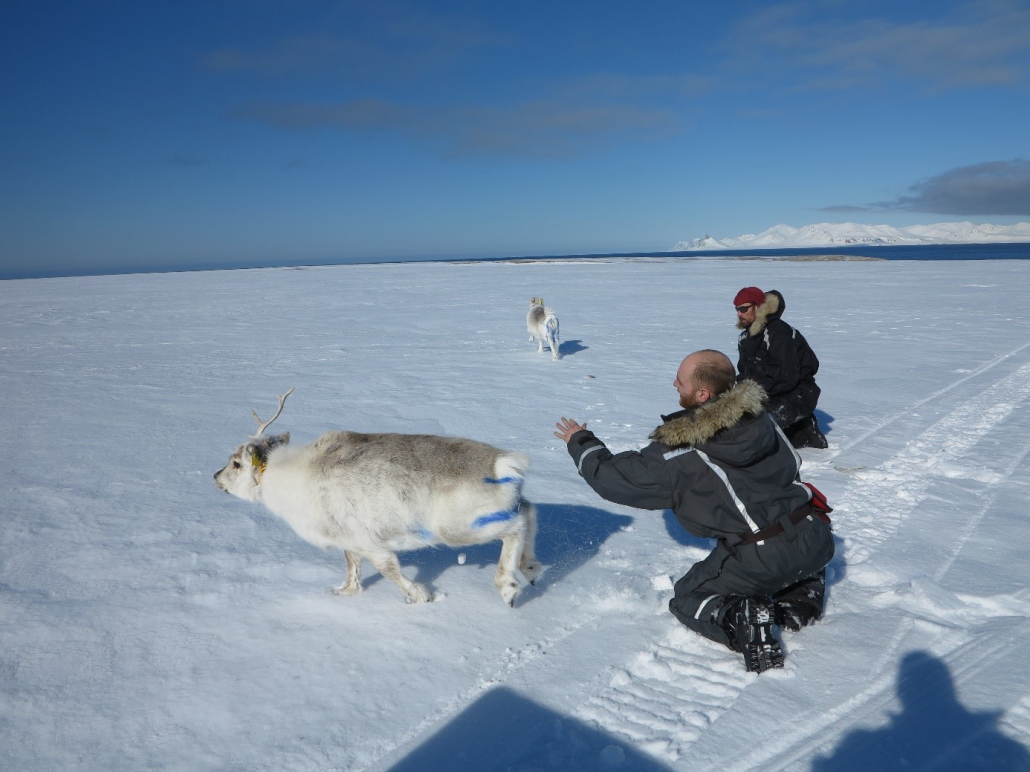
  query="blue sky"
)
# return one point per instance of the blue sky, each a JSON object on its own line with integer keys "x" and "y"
{"x": 240, "y": 131}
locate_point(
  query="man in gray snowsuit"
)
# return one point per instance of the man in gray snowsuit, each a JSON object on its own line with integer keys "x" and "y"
{"x": 727, "y": 472}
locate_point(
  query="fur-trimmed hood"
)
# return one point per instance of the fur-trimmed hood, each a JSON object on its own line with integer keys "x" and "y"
{"x": 772, "y": 308}
{"x": 699, "y": 425}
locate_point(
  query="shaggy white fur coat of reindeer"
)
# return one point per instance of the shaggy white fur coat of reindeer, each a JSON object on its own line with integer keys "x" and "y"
{"x": 373, "y": 494}
{"x": 542, "y": 324}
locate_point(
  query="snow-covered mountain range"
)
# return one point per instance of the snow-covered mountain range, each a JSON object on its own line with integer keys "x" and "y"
{"x": 844, "y": 234}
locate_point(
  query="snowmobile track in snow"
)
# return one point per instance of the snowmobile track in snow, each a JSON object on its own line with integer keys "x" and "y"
{"x": 893, "y": 418}
{"x": 872, "y": 509}
{"x": 668, "y": 696}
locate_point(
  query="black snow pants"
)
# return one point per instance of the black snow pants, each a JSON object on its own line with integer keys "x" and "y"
{"x": 791, "y": 561}
{"x": 788, "y": 409}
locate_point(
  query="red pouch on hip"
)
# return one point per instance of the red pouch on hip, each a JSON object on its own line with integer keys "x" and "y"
{"x": 819, "y": 502}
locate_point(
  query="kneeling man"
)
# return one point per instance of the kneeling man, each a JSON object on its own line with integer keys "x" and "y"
{"x": 779, "y": 359}
{"x": 727, "y": 472}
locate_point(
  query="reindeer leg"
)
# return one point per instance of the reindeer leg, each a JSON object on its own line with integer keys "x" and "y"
{"x": 504, "y": 580}
{"x": 528, "y": 564}
{"x": 388, "y": 566}
{"x": 353, "y": 584}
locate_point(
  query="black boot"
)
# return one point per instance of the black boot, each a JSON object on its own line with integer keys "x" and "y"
{"x": 805, "y": 434}
{"x": 800, "y": 604}
{"x": 793, "y": 613}
{"x": 748, "y": 622}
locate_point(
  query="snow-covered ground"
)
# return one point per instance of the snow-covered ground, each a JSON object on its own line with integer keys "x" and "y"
{"x": 851, "y": 234}
{"x": 150, "y": 621}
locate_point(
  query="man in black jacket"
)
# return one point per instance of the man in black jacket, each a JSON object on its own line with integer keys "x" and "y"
{"x": 779, "y": 359}
{"x": 727, "y": 472}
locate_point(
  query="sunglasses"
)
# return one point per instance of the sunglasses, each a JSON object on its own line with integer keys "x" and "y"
{"x": 744, "y": 308}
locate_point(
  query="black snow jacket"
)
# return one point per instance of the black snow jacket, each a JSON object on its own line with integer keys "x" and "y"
{"x": 773, "y": 353}
{"x": 724, "y": 468}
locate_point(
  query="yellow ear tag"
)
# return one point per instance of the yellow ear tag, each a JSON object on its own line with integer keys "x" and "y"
{"x": 255, "y": 459}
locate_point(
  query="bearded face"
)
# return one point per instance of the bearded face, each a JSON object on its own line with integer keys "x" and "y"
{"x": 684, "y": 383}
{"x": 688, "y": 400}
{"x": 746, "y": 318}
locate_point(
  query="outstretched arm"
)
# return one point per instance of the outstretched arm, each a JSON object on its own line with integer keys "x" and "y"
{"x": 626, "y": 478}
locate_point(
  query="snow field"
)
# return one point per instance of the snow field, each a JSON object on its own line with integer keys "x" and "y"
{"x": 147, "y": 620}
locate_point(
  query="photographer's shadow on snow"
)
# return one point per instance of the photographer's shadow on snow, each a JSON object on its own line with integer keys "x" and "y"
{"x": 932, "y": 731}
{"x": 567, "y": 537}
{"x": 503, "y": 730}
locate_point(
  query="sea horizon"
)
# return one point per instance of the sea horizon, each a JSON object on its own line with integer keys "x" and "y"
{"x": 924, "y": 252}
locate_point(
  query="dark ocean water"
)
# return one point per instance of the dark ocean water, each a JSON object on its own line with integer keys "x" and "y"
{"x": 921, "y": 252}
{"x": 909, "y": 252}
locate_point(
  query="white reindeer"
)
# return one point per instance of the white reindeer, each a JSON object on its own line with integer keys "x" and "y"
{"x": 542, "y": 324}
{"x": 372, "y": 494}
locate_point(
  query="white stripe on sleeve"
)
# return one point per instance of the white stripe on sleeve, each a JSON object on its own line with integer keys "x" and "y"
{"x": 586, "y": 453}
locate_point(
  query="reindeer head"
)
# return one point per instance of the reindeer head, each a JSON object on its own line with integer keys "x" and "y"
{"x": 242, "y": 475}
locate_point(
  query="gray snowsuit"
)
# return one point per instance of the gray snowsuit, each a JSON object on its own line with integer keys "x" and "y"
{"x": 725, "y": 470}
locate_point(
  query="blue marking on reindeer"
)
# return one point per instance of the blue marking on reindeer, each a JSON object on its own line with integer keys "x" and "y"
{"x": 493, "y": 517}
{"x": 505, "y": 514}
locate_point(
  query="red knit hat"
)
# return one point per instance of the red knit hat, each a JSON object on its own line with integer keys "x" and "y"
{"x": 749, "y": 295}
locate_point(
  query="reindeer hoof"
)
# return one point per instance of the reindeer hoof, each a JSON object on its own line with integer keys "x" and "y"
{"x": 508, "y": 593}
{"x": 420, "y": 594}
{"x": 531, "y": 571}
{"x": 347, "y": 589}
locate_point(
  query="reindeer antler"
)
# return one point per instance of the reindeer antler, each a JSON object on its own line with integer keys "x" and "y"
{"x": 262, "y": 425}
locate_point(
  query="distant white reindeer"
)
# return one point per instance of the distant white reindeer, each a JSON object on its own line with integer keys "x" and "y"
{"x": 542, "y": 324}
{"x": 372, "y": 494}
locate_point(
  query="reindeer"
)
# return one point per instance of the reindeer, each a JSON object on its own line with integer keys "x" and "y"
{"x": 542, "y": 324}
{"x": 371, "y": 495}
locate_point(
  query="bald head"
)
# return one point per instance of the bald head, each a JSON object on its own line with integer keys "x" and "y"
{"x": 702, "y": 376}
